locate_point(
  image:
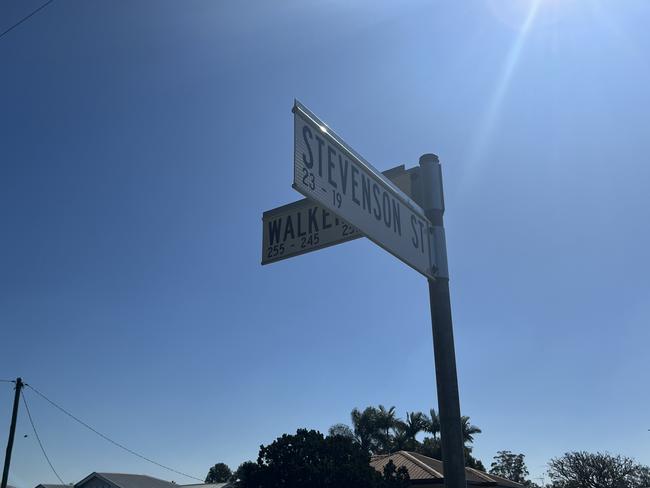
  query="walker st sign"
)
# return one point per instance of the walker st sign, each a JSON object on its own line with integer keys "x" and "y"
{"x": 301, "y": 227}
{"x": 329, "y": 172}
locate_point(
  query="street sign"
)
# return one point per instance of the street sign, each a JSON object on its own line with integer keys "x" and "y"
{"x": 301, "y": 227}
{"x": 304, "y": 226}
{"x": 340, "y": 185}
{"x": 328, "y": 171}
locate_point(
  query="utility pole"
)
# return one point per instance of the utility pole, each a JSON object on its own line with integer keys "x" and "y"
{"x": 12, "y": 432}
{"x": 453, "y": 455}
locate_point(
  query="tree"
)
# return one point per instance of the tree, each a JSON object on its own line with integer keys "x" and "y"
{"x": 642, "y": 477}
{"x": 431, "y": 447}
{"x": 471, "y": 461}
{"x": 379, "y": 431}
{"x": 468, "y": 430}
{"x": 342, "y": 430}
{"x": 599, "y": 470}
{"x": 308, "y": 459}
{"x": 386, "y": 420}
{"x": 432, "y": 425}
{"x": 219, "y": 473}
{"x": 395, "y": 478}
{"x": 245, "y": 473}
{"x": 374, "y": 428}
{"x": 406, "y": 431}
{"x": 365, "y": 428}
{"x": 510, "y": 466}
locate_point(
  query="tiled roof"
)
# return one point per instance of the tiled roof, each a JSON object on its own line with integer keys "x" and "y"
{"x": 425, "y": 468}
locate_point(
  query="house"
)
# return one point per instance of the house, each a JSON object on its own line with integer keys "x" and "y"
{"x": 426, "y": 472}
{"x": 123, "y": 480}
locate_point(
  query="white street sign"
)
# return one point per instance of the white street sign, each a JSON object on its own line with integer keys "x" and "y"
{"x": 328, "y": 171}
{"x": 301, "y": 227}
{"x": 304, "y": 226}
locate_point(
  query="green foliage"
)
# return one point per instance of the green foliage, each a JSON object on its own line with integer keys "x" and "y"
{"x": 341, "y": 430}
{"x": 245, "y": 473}
{"x": 395, "y": 478}
{"x": 432, "y": 423}
{"x": 219, "y": 473}
{"x": 471, "y": 461}
{"x": 468, "y": 430}
{"x": 510, "y": 466}
{"x": 405, "y": 431}
{"x": 374, "y": 428}
{"x": 379, "y": 431}
{"x": 343, "y": 458}
{"x": 431, "y": 446}
{"x": 599, "y": 470}
{"x": 308, "y": 459}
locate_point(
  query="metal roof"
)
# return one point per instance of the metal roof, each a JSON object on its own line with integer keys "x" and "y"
{"x": 425, "y": 468}
{"x": 124, "y": 480}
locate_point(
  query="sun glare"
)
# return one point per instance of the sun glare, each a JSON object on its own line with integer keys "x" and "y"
{"x": 490, "y": 117}
{"x": 515, "y": 13}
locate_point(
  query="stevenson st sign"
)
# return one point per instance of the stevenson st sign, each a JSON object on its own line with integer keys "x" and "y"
{"x": 304, "y": 226}
{"x": 328, "y": 171}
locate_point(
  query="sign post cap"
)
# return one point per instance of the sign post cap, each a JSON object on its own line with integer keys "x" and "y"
{"x": 429, "y": 158}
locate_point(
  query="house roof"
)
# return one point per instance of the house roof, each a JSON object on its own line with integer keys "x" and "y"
{"x": 46, "y": 486}
{"x": 425, "y": 468}
{"x": 124, "y": 480}
{"x": 206, "y": 485}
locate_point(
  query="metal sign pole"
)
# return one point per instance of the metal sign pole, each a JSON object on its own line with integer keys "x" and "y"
{"x": 453, "y": 455}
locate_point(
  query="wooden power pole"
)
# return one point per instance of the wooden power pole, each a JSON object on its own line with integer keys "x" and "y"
{"x": 12, "y": 432}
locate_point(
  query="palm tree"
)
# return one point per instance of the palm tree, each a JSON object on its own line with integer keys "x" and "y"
{"x": 378, "y": 430}
{"x": 374, "y": 428}
{"x": 416, "y": 422}
{"x": 432, "y": 425}
{"x": 385, "y": 422}
{"x": 468, "y": 430}
{"x": 364, "y": 427}
{"x": 406, "y": 431}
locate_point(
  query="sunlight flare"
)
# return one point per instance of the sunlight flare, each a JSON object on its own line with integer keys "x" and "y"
{"x": 490, "y": 117}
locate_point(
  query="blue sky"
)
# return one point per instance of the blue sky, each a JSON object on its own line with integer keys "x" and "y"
{"x": 141, "y": 142}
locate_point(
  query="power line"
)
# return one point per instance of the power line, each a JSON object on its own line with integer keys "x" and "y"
{"x": 31, "y": 421}
{"x": 26, "y": 17}
{"x": 105, "y": 437}
{"x": 7, "y": 381}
